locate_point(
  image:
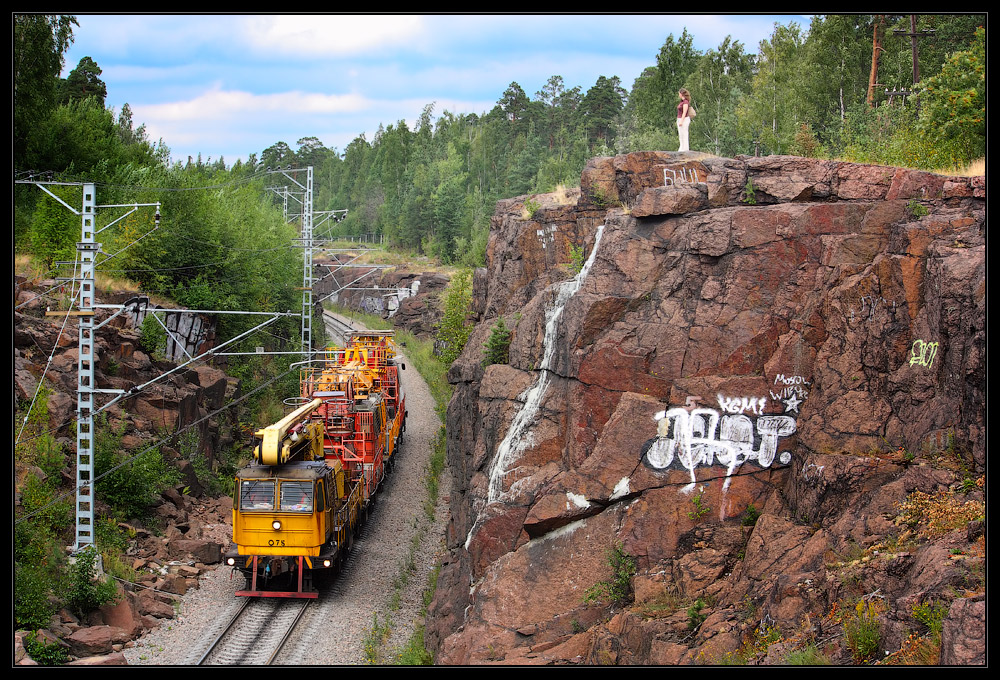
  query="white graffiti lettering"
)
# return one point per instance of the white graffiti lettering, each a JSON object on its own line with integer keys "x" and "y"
{"x": 546, "y": 234}
{"x": 682, "y": 176}
{"x": 790, "y": 380}
{"x": 923, "y": 353}
{"x": 740, "y": 404}
{"x": 792, "y": 394}
{"x": 869, "y": 303}
{"x": 703, "y": 437}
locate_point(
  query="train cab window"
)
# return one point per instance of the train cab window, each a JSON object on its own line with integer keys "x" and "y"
{"x": 320, "y": 498}
{"x": 296, "y": 496}
{"x": 256, "y": 495}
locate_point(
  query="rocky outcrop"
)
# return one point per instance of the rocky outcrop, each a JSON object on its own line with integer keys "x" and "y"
{"x": 758, "y": 362}
{"x": 409, "y": 298}
{"x": 191, "y": 530}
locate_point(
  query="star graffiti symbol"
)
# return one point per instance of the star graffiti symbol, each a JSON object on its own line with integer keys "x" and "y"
{"x": 792, "y": 404}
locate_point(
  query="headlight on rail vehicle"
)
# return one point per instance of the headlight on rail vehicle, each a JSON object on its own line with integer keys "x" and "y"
{"x": 276, "y": 524}
{"x": 327, "y": 563}
{"x": 231, "y": 561}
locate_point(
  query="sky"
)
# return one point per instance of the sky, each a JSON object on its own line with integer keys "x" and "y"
{"x": 227, "y": 85}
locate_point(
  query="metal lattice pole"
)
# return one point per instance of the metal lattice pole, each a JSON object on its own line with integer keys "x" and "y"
{"x": 87, "y": 250}
{"x": 307, "y": 262}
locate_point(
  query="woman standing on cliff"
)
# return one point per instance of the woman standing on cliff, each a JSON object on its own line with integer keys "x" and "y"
{"x": 684, "y": 114}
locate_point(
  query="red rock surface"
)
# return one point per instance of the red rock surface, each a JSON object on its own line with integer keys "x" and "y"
{"x": 797, "y": 338}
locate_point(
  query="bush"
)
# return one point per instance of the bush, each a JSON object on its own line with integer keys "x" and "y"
{"x": 809, "y": 655}
{"x": 695, "y": 615}
{"x": 43, "y": 653}
{"x": 497, "y": 347}
{"x": 454, "y": 330}
{"x": 31, "y": 598}
{"x": 617, "y": 589}
{"x": 152, "y": 336}
{"x": 130, "y": 484}
{"x": 863, "y": 631}
{"x": 87, "y": 591}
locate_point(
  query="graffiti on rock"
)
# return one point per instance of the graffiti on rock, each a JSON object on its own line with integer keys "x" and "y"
{"x": 923, "y": 353}
{"x": 869, "y": 305}
{"x": 681, "y": 176}
{"x": 755, "y": 405}
{"x": 791, "y": 391}
{"x": 704, "y": 437}
{"x": 546, "y": 234}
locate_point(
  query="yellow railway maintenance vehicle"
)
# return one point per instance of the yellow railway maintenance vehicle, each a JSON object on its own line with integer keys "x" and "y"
{"x": 300, "y": 504}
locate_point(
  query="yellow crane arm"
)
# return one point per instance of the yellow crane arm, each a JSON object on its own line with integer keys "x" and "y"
{"x": 273, "y": 448}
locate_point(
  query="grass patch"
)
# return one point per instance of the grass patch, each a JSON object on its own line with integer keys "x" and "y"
{"x": 862, "y": 629}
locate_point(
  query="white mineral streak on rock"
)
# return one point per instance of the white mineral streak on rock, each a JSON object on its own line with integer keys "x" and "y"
{"x": 517, "y": 437}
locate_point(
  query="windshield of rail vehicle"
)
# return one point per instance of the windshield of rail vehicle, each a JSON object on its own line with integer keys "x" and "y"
{"x": 296, "y": 496}
{"x": 256, "y": 494}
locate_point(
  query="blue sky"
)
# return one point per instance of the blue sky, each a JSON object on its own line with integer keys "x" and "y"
{"x": 231, "y": 85}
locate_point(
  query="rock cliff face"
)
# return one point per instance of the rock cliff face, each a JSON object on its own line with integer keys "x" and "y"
{"x": 733, "y": 371}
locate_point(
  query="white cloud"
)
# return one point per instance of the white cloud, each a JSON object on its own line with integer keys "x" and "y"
{"x": 219, "y": 104}
{"x": 331, "y": 34}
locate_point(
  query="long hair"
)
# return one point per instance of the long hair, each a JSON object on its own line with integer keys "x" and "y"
{"x": 684, "y": 94}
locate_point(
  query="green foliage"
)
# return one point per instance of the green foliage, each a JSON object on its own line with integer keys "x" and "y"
{"x": 721, "y": 77}
{"x": 863, "y": 631}
{"x": 455, "y": 328}
{"x": 749, "y": 192}
{"x": 32, "y": 609}
{"x": 36, "y": 445}
{"x": 695, "y": 615}
{"x": 750, "y": 516}
{"x": 805, "y": 143}
{"x": 43, "y": 505}
{"x": 84, "y": 81}
{"x": 39, "y": 42}
{"x": 375, "y": 638}
{"x": 415, "y": 653}
{"x": 770, "y": 113}
{"x": 917, "y": 209}
{"x": 87, "y": 589}
{"x": 55, "y": 229}
{"x": 432, "y": 478}
{"x": 496, "y": 350}
{"x": 44, "y": 653}
{"x": 931, "y": 615}
{"x": 810, "y": 655}
{"x": 152, "y": 336}
{"x": 617, "y": 590}
{"x": 577, "y": 258}
{"x": 699, "y": 507}
{"x": 128, "y": 482}
{"x": 953, "y": 102}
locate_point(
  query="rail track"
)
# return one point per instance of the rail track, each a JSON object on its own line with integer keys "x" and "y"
{"x": 260, "y": 628}
{"x": 337, "y": 326}
{"x": 256, "y": 633}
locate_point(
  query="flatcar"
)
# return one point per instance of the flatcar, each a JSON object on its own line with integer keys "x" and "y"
{"x": 316, "y": 472}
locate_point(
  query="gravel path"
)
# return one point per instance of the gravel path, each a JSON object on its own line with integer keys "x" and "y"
{"x": 366, "y": 589}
